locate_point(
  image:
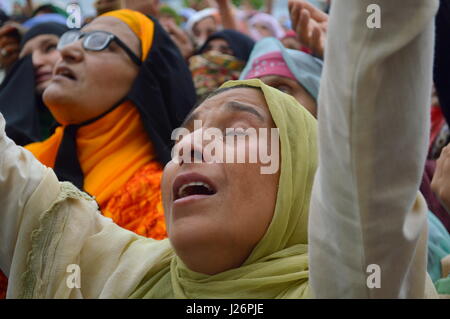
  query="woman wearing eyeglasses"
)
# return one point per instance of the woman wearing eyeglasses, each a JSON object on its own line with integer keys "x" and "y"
{"x": 119, "y": 90}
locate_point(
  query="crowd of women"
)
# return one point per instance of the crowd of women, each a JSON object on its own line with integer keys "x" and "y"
{"x": 88, "y": 177}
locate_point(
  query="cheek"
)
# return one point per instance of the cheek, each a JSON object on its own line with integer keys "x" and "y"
{"x": 166, "y": 185}
{"x": 253, "y": 201}
{"x": 54, "y": 57}
{"x": 111, "y": 80}
{"x": 308, "y": 102}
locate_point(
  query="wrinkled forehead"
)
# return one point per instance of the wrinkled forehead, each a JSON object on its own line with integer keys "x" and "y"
{"x": 243, "y": 101}
{"x": 116, "y": 27}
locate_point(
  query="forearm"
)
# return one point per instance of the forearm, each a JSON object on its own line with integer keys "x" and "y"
{"x": 373, "y": 132}
{"x": 20, "y": 174}
{"x": 269, "y": 6}
{"x": 226, "y": 15}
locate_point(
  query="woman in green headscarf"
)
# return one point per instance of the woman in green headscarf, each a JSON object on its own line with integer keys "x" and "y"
{"x": 238, "y": 232}
{"x": 254, "y": 246}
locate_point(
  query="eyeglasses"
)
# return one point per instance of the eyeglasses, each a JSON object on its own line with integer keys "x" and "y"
{"x": 95, "y": 41}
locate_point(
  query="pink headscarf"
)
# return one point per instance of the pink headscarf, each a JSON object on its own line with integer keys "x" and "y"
{"x": 270, "y": 64}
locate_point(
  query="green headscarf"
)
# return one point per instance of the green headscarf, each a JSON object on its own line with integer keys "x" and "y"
{"x": 278, "y": 265}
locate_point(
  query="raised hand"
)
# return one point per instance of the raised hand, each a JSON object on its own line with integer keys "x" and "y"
{"x": 440, "y": 184}
{"x": 310, "y": 24}
{"x": 9, "y": 45}
{"x": 180, "y": 38}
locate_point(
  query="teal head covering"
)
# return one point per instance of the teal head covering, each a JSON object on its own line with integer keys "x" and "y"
{"x": 306, "y": 68}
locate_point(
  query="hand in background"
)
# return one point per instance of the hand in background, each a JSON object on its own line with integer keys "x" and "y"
{"x": 9, "y": 45}
{"x": 440, "y": 184}
{"x": 180, "y": 38}
{"x": 310, "y": 24}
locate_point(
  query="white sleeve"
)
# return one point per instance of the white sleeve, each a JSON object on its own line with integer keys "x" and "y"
{"x": 373, "y": 133}
{"x": 20, "y": 174}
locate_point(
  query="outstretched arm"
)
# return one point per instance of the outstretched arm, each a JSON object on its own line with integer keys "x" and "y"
{"x": 48, "y": 227}
{"x": 226, "y": 14}
{"x": 20, "y": 175}
{"x": 366, "y": 213}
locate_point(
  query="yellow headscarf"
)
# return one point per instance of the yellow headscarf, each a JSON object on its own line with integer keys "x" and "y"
{"x": 278, "y": 265}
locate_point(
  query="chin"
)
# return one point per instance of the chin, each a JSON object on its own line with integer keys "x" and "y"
{"x": 192, "y": 235}
{"x": 54, "y": 95}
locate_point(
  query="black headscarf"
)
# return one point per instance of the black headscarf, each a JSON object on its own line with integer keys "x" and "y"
{"x": 43, "y": 28}
{"x": 241, "y": 44}
{"x": 441, "y": 74}
{"x": 27, "y": 118}
{"x": 3, "y": 17}
{"x": 163, "y": 92}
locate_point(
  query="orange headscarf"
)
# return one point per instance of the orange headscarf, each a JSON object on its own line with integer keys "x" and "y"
{"x": 114, "y": 153}
{"x": 142, "y": 26}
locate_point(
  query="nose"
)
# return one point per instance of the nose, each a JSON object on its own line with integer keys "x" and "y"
{"x": 72, "y": 52}
{"x": 190, "y": 148}
{"x": 38, "y": 59}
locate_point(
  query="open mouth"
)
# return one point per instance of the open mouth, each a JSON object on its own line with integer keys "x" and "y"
{"x": 194, "y": 188}
{"x": 191, "y": 185}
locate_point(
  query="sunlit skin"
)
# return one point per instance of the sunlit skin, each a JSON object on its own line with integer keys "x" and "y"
{"x": 219, "y": 45}
{"x": 44, "y": 55}
{"x": 214, "y": 233}
{"x": 101, "y": 78}
{"x": 203, "y": 29}
{"x": 294, "y": 89}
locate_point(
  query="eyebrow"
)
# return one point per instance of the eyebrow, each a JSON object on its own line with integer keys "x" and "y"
{"x": 232, "y": 106}
{"x": 192, "y": 116}
{"x": 240, "y": 107}
{"x": 27, "y": 50}
{"x": 46, "y": 41}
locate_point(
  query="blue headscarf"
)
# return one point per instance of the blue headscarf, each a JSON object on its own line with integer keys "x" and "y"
{"x": 43, "y": 18}
{"x": 306, "y": 68}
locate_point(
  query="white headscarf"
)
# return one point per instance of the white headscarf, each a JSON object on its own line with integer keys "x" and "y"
{"x": 198, "y": 16}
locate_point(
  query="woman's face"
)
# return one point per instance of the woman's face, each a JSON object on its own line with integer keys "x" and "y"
{"x": 215, "y": 227}
{"x": 203, "y": 29}
{"x": 219, "y": 45}
{"x": 294, "y": 89}
{"x": 263, "y": 30}
{"x": 86, "y": 84}
{"x": 44, "y": 55}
